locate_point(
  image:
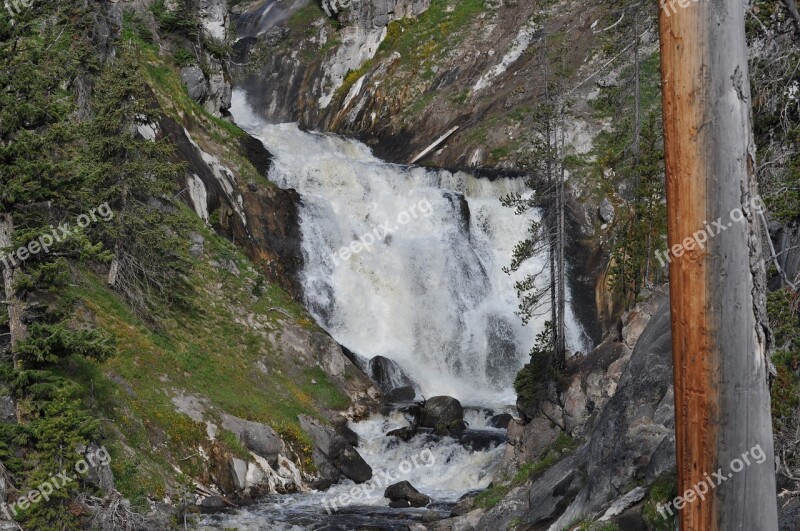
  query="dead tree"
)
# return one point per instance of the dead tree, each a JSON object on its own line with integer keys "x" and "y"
{"x": 719, "y": 330}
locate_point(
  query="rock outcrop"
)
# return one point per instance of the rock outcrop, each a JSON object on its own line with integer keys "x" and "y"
{"x": 631, "y": 441}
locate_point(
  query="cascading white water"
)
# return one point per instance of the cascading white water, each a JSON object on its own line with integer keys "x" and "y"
{"x": 425, "y": 287}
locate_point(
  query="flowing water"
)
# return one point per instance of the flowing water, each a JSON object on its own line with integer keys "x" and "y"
{"x": 403, "y": 262}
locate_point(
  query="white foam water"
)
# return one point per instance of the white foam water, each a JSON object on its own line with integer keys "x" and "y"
{"x": 426, "y": 288}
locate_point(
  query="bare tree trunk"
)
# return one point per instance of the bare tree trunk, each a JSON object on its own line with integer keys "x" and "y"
{"x": 719, "y": 332}
{"x": 15, "y": 324}
{"x": 561, "y": 347}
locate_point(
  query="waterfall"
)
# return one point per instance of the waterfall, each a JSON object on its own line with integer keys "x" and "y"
{"x": 406, "y": 262}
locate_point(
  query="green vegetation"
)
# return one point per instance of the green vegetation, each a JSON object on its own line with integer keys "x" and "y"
{"x": 663, "y": 490}
{"x": 492, "y": 496}
{"x": 533, "y": 380}
{"x": 104, "y": 363}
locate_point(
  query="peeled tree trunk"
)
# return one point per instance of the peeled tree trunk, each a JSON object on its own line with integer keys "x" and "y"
{"x": 717, "y": 285}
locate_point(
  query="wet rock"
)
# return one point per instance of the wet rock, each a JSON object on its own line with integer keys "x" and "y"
{"x": 405, "y": 491}
{"x": 404, "y": 434}
{"x": 399, "y": 504}
{"x": 388, "y": 375}
{"x": 500, "y": 421}
{"x": 464, "y": 506}
{"x": 212, "y": 504}
{"x": 349, "y": 436}
{"x": 333, "y": 455}
{"x": 350, "y": 463}
{"x": 479, "y": 440}
{"x": 401, "y": 394}
{"x": 441, "y": 410}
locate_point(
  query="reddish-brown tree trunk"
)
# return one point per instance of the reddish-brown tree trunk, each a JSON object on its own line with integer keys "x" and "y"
{"x": 717, "y": 289}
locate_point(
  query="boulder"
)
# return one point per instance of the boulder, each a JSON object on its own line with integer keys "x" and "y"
{"x": 606, "y": 211}
{"x": 500, "y": 421}
{"x": 399, "y": 504}
{"x": 441, "y": 411}
{"x": 405, "y": 491}
{"x": 212, "y": 504}
{"x": 333, "y": 455}
{"x": 256, "y": 437}
{"x": 350, "y": 463}
{"x": 194, "y": 79}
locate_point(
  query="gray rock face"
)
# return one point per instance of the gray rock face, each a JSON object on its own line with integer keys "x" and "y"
{"x": 441, "y": 411}
{"x": 631, "y": 440}
{"x": 373, "y": 13}
{"x": 405, "y": 491}
{"x": 8, "y": 409}
{"x": 258, "y": 438}
{"x": 606, "y": 211}
{"x": 194, "y": 79}
{"x": 99, "y": 471}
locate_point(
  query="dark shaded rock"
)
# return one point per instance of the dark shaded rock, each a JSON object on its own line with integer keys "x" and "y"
{"x": 500, "y": 421}
{"x": 350, "y": 463}
{"x": 441, "y": 411}
{"x": 348, "y": 435}
{"x": 479, "y": 440}
{"x": 401, "y": 394}
{"x": 399, "y": 504}
{"x": 404, "y": 434}
{"x": 388, "y": 375}
{"x": 405, "y": 491}
{"x": 212, "y": 504}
